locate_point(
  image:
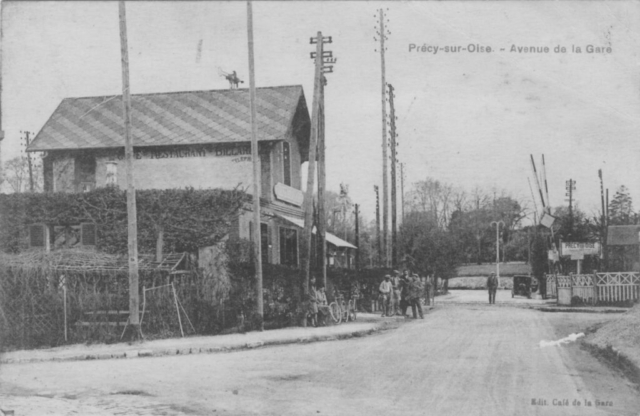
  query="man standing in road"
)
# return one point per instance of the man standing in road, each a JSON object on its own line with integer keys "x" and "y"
{"x": 415, "y": 293}
{"x": 492, "y": 285}
{"x": 385, "y": 291}
{"x": 396, "y": 289}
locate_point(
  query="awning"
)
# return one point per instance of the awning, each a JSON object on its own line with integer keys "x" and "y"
{"x": 331, "y": 239}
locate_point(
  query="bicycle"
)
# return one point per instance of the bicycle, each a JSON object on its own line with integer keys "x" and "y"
{"x": 341, "y": 310}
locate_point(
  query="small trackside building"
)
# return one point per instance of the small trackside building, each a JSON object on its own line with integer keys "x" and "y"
{"x": 198, "y": 139}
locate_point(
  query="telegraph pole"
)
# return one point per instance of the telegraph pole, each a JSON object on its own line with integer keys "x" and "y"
{"x": 571, "y": 186}
{"x": 357, "y": 238}
{"x": 320, "y": 69}
{"x": 134, "y": 318}
{"x": 402, "y": 189}
{"x": 394, "y": 186}
{"x": 497, "y": 224}
{"x": 27, "y": 141}
{"x": 327, "y": 58}
{"x": 257, "y": 242}
{"x": 379, "y": 243}
{"x": 382, "y": 33}
{"x": 603, "y": 222}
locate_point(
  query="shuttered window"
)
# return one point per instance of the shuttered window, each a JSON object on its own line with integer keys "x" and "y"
{"x": 88, "y": 234}
{"x": 286, "y": 156}
{"x": 37, "y": 235}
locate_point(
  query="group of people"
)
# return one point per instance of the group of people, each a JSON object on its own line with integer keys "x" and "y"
{"x": 400, "y": 291}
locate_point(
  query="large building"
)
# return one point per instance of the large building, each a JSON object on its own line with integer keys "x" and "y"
{"x": 198, "y": 139}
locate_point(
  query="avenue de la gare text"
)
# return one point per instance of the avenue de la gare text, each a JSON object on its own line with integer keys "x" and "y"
{"x": 477, "y": 48}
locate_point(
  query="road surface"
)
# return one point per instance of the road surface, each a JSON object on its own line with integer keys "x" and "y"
{"x": 461, "y": 360}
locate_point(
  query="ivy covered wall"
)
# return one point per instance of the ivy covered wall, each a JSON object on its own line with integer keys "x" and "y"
{"x": 187, "y": 218}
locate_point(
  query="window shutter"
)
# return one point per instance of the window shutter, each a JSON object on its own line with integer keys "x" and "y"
{"x": 37, "y": 235}
{"x": 88, "y": 234}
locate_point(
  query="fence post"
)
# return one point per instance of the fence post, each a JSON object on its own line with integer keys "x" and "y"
{"x": 64, "y": 303}
{"x": 595, "y": 289}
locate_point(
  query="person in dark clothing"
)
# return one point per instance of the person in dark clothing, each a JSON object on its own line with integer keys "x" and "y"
{"x": 404, "y": 291}
{"x": 492, "y": 286}
{"x": 415, "y": 293}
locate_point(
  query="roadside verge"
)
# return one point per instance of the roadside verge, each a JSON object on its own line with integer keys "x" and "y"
{"x": 365, "y": 325}
{"x": 618, "y": 344}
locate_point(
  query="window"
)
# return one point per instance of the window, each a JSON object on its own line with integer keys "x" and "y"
{"x": 38, "y": 235}
{"x": 85, "y": 173}
{"x": 288, "y": 247}
{"x": 88, "y": 234}
{"x": 286, "y": 158}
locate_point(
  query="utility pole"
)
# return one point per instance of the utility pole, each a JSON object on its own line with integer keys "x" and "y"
{"x": 134, "y": 318}
{"x": 394, "y": 186}
{"x": 322, "y": 183}
{"x": 497, "y": 224}
{"x": 27, "y": 141}
{"x": 357, "y": 238}
{"x": 378, "y": 237}
{"x": 313, "y": 145}
{"x": 257, "y": 242}
{"x": 327, "y": 58}
{"x": 570, "y": 186}
{"x": 382, "y": 33}
{"x": 546, "y": 188}
{"x": 603, "y": 222}
{"x": 402, "y": 189}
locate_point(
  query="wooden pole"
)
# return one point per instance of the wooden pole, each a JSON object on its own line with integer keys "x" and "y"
{"x": 308, "y": 197}
{"x": 385, "y": 185}
{"x": 394, "y": 186}
{"x": 357, "y": 239}
{"x": 546, "y": 188}
{"x": 134, "y": 301}
{"x": 402, "y": 189}
{"x": 175, "y": 301}
{"x": 603, "y": 227}
{"x": 378, "y": 237}
{"x": 257, "y": 246}
{"x": 535, "y": 174}
{"x": 571, "y": 212}
{"x": 322, "y": 183}
{"x": 27, "y": 141}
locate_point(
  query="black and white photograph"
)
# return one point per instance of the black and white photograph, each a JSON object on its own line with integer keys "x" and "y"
{"x": 290, "y": 208}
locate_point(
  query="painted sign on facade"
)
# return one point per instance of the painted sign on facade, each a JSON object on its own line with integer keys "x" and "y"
{"x": 182, "y": 152}
{"x": 288, "y": 194}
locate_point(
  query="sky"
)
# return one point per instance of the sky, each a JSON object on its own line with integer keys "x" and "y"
{"x": 465, "y": 118}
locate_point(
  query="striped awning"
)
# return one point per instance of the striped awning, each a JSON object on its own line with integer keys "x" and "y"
{"x": 330, "y": 238}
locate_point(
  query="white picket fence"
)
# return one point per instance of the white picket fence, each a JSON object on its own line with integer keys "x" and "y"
{"x": 594, "y": 288}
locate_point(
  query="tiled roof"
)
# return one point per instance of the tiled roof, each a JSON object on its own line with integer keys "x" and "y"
{"x": 165, "y": 119}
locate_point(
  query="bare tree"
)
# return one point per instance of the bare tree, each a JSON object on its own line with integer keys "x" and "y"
{"x": 16, "y": 174}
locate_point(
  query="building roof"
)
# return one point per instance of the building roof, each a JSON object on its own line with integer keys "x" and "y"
{"x": 175, "y": 118}
{"x": 623, "y": 235}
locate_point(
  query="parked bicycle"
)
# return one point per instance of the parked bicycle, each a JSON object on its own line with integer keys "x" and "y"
{"x": 343, "y": 310}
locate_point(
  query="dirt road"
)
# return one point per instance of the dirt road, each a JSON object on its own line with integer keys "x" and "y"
{"x": 460, "y": 360}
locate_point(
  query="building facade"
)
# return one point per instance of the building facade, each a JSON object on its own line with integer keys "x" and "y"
{"x": 198, "y": 139}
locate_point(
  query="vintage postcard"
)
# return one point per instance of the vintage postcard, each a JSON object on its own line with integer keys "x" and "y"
{"x": 319, "y": 208}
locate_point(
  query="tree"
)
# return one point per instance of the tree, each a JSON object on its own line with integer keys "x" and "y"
{"x": 16, "y": 173}
{"x": 427, "y": 248}
{"x": 621, "y": 208}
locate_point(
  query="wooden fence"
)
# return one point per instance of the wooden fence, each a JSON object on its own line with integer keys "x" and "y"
{"x": 594, "y": 288}
{"x": 617, "y": 287}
